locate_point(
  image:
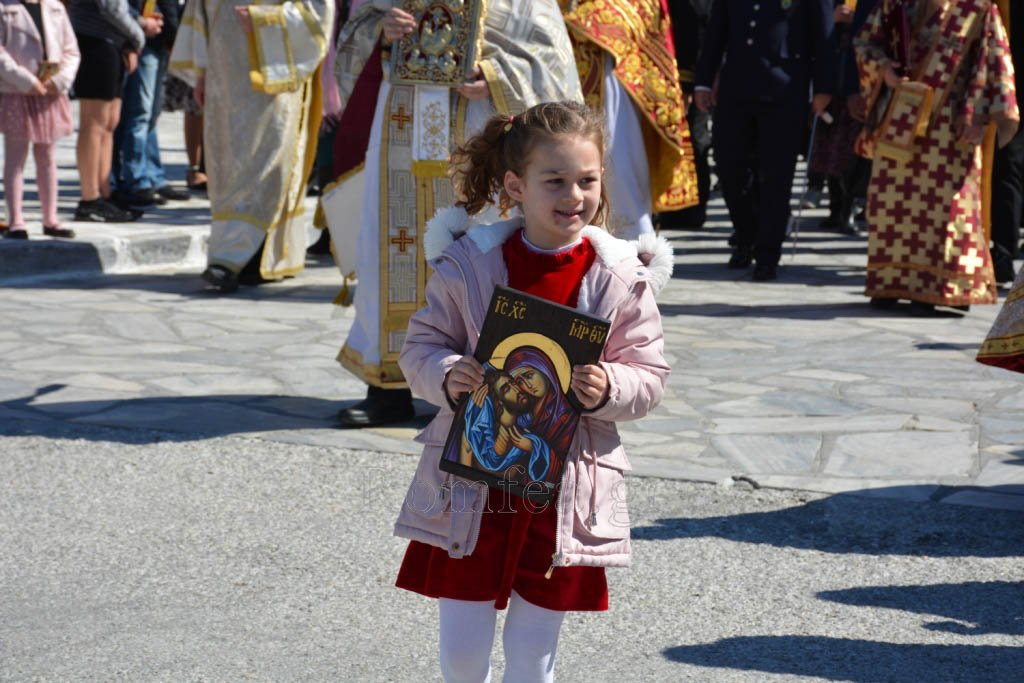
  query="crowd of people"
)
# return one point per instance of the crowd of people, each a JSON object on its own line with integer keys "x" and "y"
{"x": 112, "y": 55}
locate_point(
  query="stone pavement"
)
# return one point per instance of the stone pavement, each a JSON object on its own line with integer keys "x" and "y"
{"x": 796, "y": 384}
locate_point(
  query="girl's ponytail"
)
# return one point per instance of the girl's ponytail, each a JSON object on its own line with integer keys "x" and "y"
{"x": 480, "y": 166}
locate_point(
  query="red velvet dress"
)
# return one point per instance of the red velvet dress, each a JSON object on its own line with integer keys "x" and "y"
{"x": 517, "y": 540}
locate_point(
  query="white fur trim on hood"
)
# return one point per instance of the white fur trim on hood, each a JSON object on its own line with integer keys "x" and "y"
{"x": 450, "y": 223}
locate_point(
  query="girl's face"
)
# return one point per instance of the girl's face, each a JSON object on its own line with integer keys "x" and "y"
{"x": 559, "y": 191}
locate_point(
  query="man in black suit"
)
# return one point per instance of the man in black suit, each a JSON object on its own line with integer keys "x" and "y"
{"x": 755, "y": 70}
{"x": 1008, "y": 168}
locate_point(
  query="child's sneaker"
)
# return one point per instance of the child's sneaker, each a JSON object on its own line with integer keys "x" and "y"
{"x": 102, "y": 211}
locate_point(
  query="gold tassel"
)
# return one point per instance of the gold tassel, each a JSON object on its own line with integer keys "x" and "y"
{"x": 344, "y": 297}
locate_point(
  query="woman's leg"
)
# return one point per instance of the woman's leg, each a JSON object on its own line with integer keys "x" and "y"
{"x": 92, "y": 123}
{"x": 530, "y": 639}
{"x": 194, "y": 149}
{"x": 46, "y": 180}
{"x": 467, "y": 636}
{"x": 15, "y": 153}
{"x": 112, "y": 115}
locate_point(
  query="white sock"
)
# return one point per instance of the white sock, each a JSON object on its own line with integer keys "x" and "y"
{"x": 530, "y": 639}
{"x": 467, "y": 636}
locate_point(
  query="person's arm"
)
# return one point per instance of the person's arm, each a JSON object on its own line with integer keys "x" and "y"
{"x": 634, "y": 359}
{"x": 435, "y": 339}
{"x": 686, "y": 37}
{"x": 119, "y": 15}
{"x": 823, "y": 47}
{"x": 70, "y": 56}
{"x": 528, "y": 61}
{"x": 712, "y": 50}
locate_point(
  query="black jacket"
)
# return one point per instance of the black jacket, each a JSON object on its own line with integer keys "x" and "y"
{"x": 768, "y": 50}
{"x": 172, "y": 16}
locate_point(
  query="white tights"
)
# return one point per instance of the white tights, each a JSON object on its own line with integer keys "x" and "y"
{"x": 529, "y": 640}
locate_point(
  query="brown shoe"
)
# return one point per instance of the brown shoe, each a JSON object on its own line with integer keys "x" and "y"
{"x": 57, "y": 231}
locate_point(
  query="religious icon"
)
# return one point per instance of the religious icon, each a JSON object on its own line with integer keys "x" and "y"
{"x": 515, "y": 430}
{"x": 443, "y": 48}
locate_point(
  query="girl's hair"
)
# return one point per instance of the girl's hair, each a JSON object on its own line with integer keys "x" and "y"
{"x": 505, "y": 144}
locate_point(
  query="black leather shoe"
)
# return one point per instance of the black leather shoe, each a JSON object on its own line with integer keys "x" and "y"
{"x": 137, "y": 199}
{"x": 380, "y": 407}
{"x": 884, "y": 302}
{"x": 920, "y": 309}
{"x": 221, "y": 278}
{"x": 1002, "y": 263}
{"x": 763, "y": 272}
{"x": 741, "y": 258}
{"x": 178, "y": 194}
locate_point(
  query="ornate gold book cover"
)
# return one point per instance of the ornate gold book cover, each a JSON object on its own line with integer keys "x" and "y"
{"x": 443, "y": 48}
{"x": 906, "y": 120}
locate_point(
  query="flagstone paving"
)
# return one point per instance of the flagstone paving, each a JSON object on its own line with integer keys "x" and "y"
{"x": 792, "y": 384}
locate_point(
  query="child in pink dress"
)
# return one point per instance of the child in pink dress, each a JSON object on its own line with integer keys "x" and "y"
{"x": 38, "y": 61}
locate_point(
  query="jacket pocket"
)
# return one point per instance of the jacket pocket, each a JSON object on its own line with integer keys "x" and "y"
{"x": 429, "y": 495}
{"x": 600, "y": 502}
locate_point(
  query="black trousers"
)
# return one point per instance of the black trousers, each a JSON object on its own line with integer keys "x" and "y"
{"x": 756, "y": 145}
{"x": 1008, "y": 196}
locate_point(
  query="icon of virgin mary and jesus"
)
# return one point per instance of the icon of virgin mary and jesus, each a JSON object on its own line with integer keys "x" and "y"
{"x": 519, "y": 424}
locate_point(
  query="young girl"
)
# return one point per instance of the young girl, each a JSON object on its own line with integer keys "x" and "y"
{"x": 38, "y": 61}
{"x": 479, "y": 549}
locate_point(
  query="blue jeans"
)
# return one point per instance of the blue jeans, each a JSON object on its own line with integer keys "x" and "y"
{"x": 137, "y": 163}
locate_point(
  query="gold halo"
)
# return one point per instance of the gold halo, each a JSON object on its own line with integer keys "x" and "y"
{"x": 553, "y": 351}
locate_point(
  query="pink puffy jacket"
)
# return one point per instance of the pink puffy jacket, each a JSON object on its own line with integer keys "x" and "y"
{"x": 593, "y": 522}
{"x": 21, "y": 48}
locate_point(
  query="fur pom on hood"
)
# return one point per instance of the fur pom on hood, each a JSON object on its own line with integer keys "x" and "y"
{"x": 452, "y": 223}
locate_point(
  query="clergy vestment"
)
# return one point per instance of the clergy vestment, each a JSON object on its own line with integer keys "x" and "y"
{"x": 260, "y": 122}
{"x": 1004, "y": 345}
{"x": 526, "y": 58}
{"x": 926, "y": 239}
{"x": 629, "y": 73}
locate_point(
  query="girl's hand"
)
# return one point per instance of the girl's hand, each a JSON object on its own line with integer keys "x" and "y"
{"x": 842, "y": 15}
{"x": 475, "y": 87}
{"x": 590, "y": 384}
{"x": 244, "y": 18}
{"x": 51, "y": 88}
{"x": 38, "y": 88}
{"x": 397, "y": 24}
{"x": 466, "y": 375}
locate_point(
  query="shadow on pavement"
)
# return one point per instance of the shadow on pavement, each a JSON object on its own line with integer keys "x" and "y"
{"x": 861, "y": 661}
{"x": 973, "y": 608}
{"x": 190, "y": 285}
{"x": 825, "y": 311}
{"x": 870, "y": 522}
{"x": 182, "y": 418}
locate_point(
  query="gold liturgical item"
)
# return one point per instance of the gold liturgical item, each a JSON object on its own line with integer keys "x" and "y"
{"x": 906, "y": 119}
{"x": 443, "y": 47}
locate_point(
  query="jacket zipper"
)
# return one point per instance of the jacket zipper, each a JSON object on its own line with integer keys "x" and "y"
{"x": 556, "y": 557}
